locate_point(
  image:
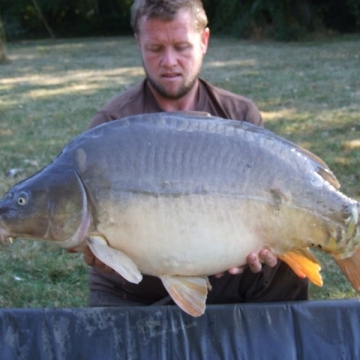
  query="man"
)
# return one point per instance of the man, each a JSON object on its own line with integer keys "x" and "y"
{"x": 173, "y": 38}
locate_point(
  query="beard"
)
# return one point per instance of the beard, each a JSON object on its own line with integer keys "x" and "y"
{"x": 183, "y": 90}
{"x": 176, "y": 95}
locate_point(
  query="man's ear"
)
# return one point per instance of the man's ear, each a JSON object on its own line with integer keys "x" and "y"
{"x": 205, "y": 39}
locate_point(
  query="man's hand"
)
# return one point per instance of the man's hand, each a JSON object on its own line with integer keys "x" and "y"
{"x": 91, "y": 260}
{"x": 254, "y": 261}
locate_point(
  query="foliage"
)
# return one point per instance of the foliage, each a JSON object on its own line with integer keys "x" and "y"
{"x": 277, "y": 19}
{"x": 3, "y": 58}
{"x": 343, "y": 16}
{"x": 66, "y": 18}
{"x": 284, "y": 19}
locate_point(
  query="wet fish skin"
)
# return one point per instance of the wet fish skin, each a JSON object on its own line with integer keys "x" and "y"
{"x": 181, "y": 197}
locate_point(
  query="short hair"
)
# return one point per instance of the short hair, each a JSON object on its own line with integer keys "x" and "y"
{"x": 167, "y": 10}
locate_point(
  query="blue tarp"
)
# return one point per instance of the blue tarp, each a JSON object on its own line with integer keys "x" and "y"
{"x": 299, "y": 330}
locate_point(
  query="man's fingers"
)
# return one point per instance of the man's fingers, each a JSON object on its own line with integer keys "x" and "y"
{"x": 93, "y": 261}
{"x": 236, "y": 270}
{"x": 268, "y": 257}
{"x": 219, "y": 275}
{"x": 232, "y": 271}
{"x": 254, "y": 262}
{"x": 89, "y": 257}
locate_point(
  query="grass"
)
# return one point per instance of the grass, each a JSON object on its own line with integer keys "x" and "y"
{"x": 308, "y": 92}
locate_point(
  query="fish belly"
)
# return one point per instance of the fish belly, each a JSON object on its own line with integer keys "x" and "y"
{"x": 186, "y": 235}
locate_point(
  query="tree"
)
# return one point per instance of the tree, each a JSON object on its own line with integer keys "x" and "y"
{"x": 3, "y": 58}
{"x": 282, "y": 19}
{"x": 41, "y": 16}
{"x": 276, "y": 19}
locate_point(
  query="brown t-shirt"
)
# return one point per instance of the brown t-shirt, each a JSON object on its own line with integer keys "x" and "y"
{"x": 218, "y": 102}
{"x": 271, "y": 284}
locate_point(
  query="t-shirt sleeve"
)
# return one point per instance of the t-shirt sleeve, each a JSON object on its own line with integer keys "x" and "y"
{"x": 127, "y": 103}
{"x": 99, "y": 118}
{"x": 253, "y": 115}
{"x": 228, "y": 105}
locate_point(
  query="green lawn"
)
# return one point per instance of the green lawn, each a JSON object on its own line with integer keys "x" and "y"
{"x": 308, "y": 92}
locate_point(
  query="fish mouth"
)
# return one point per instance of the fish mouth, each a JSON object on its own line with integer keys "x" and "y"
{"x": 5, "y": 236}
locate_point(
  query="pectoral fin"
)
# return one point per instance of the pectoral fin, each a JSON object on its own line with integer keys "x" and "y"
{"x": 114, "y": 258}
{"x": 304, "y": 264}
{"x": 189, "y": 293}
{"x": 350, "y": 267}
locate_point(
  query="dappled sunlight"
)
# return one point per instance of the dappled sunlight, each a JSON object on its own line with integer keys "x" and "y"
{"x": 40, "y": 85}
{"x": 45, "y": 79}
{"x": 230, "y": 63}
{"x": 352, "y": 144}
{"x": 6, "y": 132}
{"x": 64, "y": 90}
{"x": 275, "y": 115}
{"x": 27, "y": 56}
{"x": 342, "y": 160}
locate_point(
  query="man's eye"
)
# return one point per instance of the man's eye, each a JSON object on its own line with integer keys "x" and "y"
{"x": 154, "y": 49}
{"x": 182, "y": 47}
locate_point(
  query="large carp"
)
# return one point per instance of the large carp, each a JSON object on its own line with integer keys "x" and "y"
{"x": 181, "y": 197}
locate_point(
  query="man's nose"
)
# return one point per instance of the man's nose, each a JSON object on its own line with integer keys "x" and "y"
{"x": 169, "y": 57}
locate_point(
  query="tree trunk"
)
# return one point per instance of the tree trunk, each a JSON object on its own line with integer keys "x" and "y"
{"x": 48, "y": 28}
{"x": 3, "y": 58}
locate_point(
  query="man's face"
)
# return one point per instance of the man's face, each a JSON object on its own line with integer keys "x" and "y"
{"x": 172, "y": 53}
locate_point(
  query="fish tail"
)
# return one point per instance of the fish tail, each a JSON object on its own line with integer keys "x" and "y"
{"x": 352, "y": 221}
{"x": 350, "y": 266}
{"x": 347, "y": 259}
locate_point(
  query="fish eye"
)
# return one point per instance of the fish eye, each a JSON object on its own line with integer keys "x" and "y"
{"x": 22, "y": 199}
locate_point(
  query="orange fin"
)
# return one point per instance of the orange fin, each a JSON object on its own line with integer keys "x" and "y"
{"x": 189, "y": 293}
{"x": 350, "y": 268}
{"x": 304, "y": 264}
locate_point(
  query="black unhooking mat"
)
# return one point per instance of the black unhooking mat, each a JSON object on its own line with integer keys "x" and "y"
{"x": 280, "y": 331}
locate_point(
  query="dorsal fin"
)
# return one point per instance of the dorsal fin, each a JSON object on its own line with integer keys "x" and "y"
{"x": 320, "y": 167}
{"x": 190, "y": 113}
